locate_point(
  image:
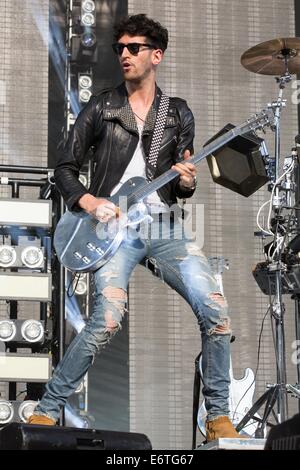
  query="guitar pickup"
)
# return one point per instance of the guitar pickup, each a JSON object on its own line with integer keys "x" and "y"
{"x": 91, "y": 246}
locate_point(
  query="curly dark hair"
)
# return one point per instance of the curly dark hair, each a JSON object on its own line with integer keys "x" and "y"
{"x": 141, "y": 25}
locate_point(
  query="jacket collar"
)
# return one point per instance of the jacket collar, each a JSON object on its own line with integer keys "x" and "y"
{"x": 117, "y": 107}
{"x": 119, "y": 97}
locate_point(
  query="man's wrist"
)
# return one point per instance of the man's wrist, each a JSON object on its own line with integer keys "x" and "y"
{"x": 87, "y": 202}
{"x": 190, "y": 188}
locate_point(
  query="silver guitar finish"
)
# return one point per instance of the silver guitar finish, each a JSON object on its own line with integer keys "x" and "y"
{"x": 84, "y": 244}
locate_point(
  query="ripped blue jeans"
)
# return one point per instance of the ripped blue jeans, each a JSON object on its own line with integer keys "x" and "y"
{"x": 184, "y": 268}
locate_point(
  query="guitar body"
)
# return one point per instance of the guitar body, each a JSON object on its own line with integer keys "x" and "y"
{"x": 84, "y": 244}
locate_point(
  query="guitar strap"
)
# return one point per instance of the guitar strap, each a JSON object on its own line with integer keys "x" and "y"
{"x": 151, "y": 161}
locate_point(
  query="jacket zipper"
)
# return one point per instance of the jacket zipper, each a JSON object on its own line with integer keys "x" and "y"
{"x": 167, "y": 143}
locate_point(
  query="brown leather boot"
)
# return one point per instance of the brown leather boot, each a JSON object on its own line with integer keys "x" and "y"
{"x": 221, "y": 427}
{"x": 41, "y": 420}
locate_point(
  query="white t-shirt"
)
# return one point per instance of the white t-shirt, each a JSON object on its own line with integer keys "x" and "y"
{"x": 137, "y": 167}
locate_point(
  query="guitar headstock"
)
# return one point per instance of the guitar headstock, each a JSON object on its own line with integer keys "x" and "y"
{"x": 266, "y": 118}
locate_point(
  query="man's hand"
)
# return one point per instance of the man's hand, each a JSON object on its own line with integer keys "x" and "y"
{"x": 187, "y": 172}
{"x": 101, "y": 209}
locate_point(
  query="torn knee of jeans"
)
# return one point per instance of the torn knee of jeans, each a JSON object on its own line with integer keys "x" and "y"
{"x": 222, "y": 328}
{"x": 117, "y": 297}
{"x": 111, "y": 325}
{"x": 218, "y": 299}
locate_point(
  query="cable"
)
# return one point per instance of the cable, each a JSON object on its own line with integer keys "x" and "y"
{"x": 268, "y": 231}
{"x": 257, "y": 218}
{"x": 273, "y": 319}
{"x": 257, "y": 364}
{"x": 73, "y": 278}
{"x": 289, "y": 169}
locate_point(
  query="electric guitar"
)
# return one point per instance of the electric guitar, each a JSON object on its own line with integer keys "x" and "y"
{"x": 84, "y": 244}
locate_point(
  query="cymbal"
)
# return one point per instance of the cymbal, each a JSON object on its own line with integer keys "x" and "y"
{"x": 274, "y": 57}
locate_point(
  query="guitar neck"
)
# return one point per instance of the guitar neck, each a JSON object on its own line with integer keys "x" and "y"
{"x": 169, "y": 175}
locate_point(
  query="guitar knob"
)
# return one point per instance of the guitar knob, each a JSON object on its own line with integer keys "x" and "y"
{"x": 86, "y": 260}
{"x": 77, "y": 255}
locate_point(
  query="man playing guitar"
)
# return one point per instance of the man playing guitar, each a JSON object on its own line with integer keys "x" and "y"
{"x": 119, "y": 124}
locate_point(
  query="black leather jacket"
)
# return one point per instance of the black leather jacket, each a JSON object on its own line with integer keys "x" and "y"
{"x": 108, "y": 125}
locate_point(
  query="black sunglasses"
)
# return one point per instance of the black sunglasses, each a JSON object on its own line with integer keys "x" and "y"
{"x": 133, "y": 47}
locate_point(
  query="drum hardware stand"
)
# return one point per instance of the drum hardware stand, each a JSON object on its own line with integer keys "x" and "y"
{"x": 277, "y": 393}
{"x": 296, "y": 297}
{"x": 277, "y": 306}
{"x": 297, "y": 325}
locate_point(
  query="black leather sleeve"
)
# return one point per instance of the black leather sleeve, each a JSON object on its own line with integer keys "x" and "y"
{"x": 72, "y": 155}
{"x": 185, "y": 142}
